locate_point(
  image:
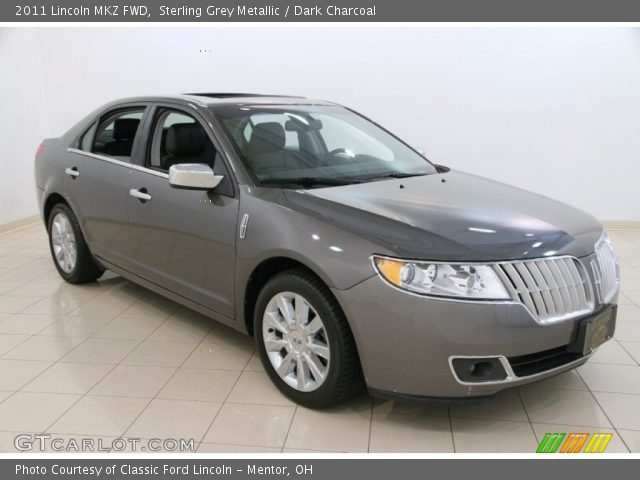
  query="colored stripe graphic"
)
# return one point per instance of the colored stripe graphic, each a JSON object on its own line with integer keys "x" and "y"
{"x": 598, "y": 443}
{"x": 574, "y": 443}
{"x": 550, "y": 442}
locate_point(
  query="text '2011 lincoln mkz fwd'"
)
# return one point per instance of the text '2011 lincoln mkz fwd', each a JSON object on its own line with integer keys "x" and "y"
{"x": 347, "y": 255}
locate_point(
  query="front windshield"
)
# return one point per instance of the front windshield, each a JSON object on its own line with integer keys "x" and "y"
{"x": 316, "y": 145}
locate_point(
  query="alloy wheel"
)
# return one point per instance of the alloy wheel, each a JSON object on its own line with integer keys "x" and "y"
{"x": 296, "y": 342}
{"x": 63, "y": 241}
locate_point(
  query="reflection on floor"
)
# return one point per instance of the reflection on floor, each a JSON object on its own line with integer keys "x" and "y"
{"x": 112, "y": 360}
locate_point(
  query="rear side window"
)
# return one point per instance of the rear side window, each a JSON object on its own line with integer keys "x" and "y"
{"x": 114, "y": 134}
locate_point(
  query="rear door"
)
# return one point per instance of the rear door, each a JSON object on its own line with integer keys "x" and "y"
{"x": 96, "y": 176}
{"x": 183, "y": 240}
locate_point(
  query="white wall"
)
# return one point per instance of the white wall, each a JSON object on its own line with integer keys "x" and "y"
{"x": 556, "y": 111}
{"x": 22, "y": 122}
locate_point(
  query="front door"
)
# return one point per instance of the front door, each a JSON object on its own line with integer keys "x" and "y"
{"x": 183, "y": 240}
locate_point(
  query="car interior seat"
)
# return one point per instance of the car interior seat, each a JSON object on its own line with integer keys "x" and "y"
{"x": 266, "y": 146}
{"x": 124, "y": 132}
{"x": 187, "y": 143}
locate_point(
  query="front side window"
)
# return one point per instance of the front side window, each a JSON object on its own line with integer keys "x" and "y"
{"x": 115, "y": 134}
{"x": 316, "y": 145}
{"x": 179, "y": 138}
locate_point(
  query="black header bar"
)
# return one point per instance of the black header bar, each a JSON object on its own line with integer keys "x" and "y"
{"x": 320, "y": 11}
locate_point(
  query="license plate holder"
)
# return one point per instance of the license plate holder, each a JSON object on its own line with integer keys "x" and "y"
{"x": 593, "y": 331}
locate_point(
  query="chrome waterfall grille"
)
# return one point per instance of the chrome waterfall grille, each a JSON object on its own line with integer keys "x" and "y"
{"x": 552, "y": 289}
{"x": 606, "y": 271}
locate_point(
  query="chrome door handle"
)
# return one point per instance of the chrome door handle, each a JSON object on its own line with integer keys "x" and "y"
{"x": 73, "y": 172}
{"x": 141, "y": 194}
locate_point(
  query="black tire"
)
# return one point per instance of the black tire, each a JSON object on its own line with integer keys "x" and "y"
{"x": 86, "y": 269}
{"x": 344, "y": 377}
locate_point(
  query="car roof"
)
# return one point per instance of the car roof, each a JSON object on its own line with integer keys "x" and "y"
{"x": 227, "y": 99}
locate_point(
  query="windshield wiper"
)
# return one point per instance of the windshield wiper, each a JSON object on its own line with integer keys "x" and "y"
{"x": 396, "y": 175}
{"x": 309, "y": 181}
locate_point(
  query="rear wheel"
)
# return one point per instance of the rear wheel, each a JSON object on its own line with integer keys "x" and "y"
{"x": 70, "y": 253}
{"x": 304, "y": 340}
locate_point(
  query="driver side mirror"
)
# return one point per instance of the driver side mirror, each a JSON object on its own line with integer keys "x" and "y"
{"x": 193, "y": 176}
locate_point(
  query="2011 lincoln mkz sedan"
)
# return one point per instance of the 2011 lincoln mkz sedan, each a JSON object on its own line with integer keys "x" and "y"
{"x": 347, "y": 255}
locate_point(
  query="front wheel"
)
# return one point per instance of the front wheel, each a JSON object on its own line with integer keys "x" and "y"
{"x": 304, "y": 340}
{"x": 70, "y": 252}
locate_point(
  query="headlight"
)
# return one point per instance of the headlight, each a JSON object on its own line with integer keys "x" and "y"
{"x": 606, "y": 269}
{"x": 478, "y": 282}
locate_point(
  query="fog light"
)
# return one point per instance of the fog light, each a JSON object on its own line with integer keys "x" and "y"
{"x": 481, "y": 369}
{"x": 478, "y": 369}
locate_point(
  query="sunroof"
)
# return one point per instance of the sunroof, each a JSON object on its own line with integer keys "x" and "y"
{"x": 232, "y": 95}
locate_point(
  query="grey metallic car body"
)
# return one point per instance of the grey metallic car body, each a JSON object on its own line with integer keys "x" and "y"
{"x": 212, "y": 252}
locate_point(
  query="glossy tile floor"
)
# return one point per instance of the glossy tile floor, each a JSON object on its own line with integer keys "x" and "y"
{"x": 111, "y": 359}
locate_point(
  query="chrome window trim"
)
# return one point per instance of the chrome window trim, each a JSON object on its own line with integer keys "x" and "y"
{"x": 511, "y": 376}
{"x": 118, "y": 162}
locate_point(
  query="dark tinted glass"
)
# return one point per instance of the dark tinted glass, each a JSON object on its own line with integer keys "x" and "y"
{"x": 116, "y": 133}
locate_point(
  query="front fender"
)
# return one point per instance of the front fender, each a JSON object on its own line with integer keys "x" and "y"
{"x": 274, "y": 229}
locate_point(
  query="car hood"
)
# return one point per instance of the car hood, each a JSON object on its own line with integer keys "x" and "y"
{"x": 453, "y": 217}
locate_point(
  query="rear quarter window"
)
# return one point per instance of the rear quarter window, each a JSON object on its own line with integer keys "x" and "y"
{"x": 86, "y": 139}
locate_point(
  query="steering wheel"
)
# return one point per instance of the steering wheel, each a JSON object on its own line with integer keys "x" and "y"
{"x": 337, "y": 151}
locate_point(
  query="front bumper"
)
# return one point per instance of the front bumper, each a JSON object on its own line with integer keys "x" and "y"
{"x": 406, "y": 342}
